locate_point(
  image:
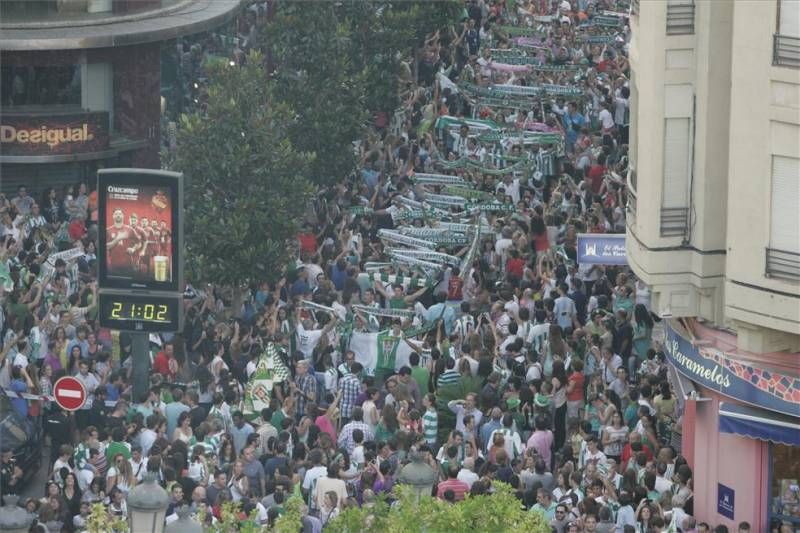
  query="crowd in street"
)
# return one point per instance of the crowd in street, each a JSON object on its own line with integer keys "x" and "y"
{"x": 524, "y": 366}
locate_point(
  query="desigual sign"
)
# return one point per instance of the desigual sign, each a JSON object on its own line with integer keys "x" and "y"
{"x": 54, "y": 134}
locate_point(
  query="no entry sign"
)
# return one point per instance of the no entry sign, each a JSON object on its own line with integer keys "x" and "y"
{"x": 70, "y": 393}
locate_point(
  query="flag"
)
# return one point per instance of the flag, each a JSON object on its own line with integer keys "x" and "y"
{"x": 382, "y": 350}
{"x": 270, "y": 370}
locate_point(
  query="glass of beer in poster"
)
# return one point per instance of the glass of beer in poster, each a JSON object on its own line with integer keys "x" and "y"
{"x": 137, "y": 231}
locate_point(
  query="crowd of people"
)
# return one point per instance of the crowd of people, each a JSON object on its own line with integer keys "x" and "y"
{"x": 525, "y": 367}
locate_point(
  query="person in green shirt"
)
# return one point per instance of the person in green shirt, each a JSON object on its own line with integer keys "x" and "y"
{"x": 420, "y": 374}
{"x": 398, "y": 299}
{"x": 118, "y": 445}
{"x": 545, "y": 505}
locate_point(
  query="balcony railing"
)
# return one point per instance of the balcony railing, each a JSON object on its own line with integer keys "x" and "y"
{"x": 786, "y": 51}
{"x": 783, "y": 265}
{"x": 674, "y": 221}
{"x": 680, "y": 17}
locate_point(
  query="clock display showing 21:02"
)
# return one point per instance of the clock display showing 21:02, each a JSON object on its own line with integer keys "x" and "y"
{"x": 144, "y": 312}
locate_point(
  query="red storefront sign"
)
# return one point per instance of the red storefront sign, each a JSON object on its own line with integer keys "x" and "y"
{"x": 54, "y": 133}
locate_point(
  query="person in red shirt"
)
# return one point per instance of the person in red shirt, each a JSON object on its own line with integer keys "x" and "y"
{"x": 308, "y": 241}
{"x": 119, "y": 238}
{"x": 165, "y": 364}
{"x": 635, "y": 446}
{"x": 575, "y": 383}
{"x": 596, "y": 172}
{"x": 455, "y": 286}
{"x": 454, "y": 484}
{"x": 515, "y": 265}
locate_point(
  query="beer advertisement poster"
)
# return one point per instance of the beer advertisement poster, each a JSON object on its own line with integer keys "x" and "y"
{"x": 138, "y": 212}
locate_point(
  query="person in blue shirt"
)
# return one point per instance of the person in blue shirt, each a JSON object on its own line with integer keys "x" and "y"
{"x": 573, "y": 122}
{"x": 440, "y": 310}
{"x": 80, "y": 341}
{"x": 20, "y": 383}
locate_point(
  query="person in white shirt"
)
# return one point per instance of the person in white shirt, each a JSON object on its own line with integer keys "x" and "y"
{"x": 465, "y": 407}
{"x": 466, "y": 474}
{"x": 307, "y": 338}
{"x": 611, "y": 362}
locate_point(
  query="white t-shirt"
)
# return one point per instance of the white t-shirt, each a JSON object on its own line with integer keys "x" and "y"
{"x": 307, "y": 340}
{"x": 606, "y": 119}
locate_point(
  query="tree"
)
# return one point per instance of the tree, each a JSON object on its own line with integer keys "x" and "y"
{"x": 246, "y": 186}
{"x": 317, "y": 78}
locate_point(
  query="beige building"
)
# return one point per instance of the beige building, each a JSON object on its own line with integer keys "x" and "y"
{"x": 714, "y": 228}
{"x": 714, "y": 220}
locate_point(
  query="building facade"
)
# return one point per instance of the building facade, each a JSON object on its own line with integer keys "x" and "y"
{"x": 81, "y": 84}
{"x": 714, "y": 229}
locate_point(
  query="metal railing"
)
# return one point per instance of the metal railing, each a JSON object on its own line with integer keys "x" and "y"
{"x": 674, "y": 221}
{"x": 786, "y": 51}
{"x": 783, "y": 265}
{"x": 680, "y": 17}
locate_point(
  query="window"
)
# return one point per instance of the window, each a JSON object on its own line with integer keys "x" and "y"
{"x": 40, "y": 86}
{"x": 783, "y": 253}
{"x": 786, "y": 47}
{"x": 785, "y": 212}
{"x": 680, "y": 17}
{"x": 675, "y": 197}
{"x": 785, "y": 489}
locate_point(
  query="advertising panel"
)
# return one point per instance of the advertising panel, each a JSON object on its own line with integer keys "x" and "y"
{"x": 139, "y": 229}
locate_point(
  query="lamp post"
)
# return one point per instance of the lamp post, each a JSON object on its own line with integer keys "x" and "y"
{"x": 14, "y": 519}
{"x": 147, "y": 504}
{"x": 185, "y": 523}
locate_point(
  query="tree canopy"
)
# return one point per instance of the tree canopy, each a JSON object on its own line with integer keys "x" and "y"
{"x": 246, "y": 183}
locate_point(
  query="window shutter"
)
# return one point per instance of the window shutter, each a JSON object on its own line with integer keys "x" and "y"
{"x": 676, "y": 163}
{"x": 785, "y": 226}
{"x": 789, "y": 25}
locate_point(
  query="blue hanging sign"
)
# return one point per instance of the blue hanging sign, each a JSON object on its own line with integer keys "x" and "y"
{"x": 602, "y": 249}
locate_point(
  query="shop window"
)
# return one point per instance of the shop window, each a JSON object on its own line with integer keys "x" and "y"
{"x": 785, "y": 490}
{"x": 40, "y": 86}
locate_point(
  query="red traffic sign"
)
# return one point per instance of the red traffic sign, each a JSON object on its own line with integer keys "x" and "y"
{"x": 70, "y": 393}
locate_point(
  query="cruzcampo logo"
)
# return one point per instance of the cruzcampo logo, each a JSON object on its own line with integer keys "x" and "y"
{"x": 52, "y": 137}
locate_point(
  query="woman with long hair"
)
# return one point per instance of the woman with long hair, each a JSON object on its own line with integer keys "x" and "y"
{"x": 615, "y": 435}
{"x": 555, "y": 349}
{"x": 71, "y": 494}
{"x": 120, "y": 474}
{"x": 238, "y": 483}
{"x": 183, "y": 431}
{"x": 559, "y": 382}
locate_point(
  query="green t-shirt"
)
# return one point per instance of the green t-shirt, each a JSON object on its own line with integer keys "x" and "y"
{"x": 423, "y": 378}
{"x": 114, "y": 448}
{"x": 398, "y": 302}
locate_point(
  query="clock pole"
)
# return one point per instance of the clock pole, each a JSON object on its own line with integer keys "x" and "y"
{"x": 140, "y": 368}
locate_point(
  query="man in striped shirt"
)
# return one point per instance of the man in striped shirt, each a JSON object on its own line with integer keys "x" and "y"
{"x": 430, "y": 420}
{"x": 350, "y": 387}
{"x": 449, "y": 376}
{"x": 458, "y": 487}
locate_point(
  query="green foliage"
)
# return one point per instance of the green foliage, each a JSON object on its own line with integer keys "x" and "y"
{"x": 316, "y": 77}
{"x": 498, "y": 512}
{"x": 246, "y": 184}
{"x": 338, "y": 64}
{"x": 100, "y": 521}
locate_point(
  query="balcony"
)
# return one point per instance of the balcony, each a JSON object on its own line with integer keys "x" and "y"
{"x": 680, "y": 17}
{"x": 786, "y": 51}
{"x": 674, "y": 221}
{"x": 783, "y": 265}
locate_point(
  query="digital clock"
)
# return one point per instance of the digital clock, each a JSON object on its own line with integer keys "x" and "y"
{"x": 147, "y": 313}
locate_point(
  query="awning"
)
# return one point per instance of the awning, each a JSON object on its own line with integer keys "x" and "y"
{"x": 759, "y": 424}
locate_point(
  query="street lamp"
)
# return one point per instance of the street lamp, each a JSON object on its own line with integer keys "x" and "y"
{"x": 14, "y": 519}
{"x": 147, "y": 504}
{"x": 185, "y": 523}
